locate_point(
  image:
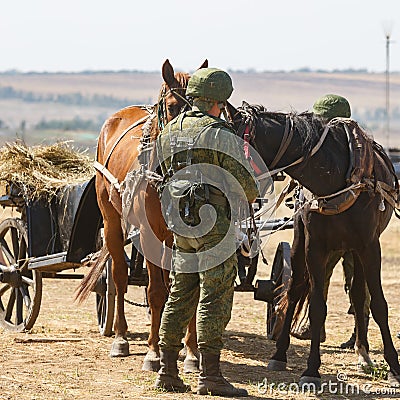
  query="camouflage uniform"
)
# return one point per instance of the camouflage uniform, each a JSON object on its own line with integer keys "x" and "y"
{"x": 210, "y": 288}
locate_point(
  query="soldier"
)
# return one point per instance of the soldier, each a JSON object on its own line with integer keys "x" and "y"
{"x": 199, "y": 154}
{"x": 327, "y": 108}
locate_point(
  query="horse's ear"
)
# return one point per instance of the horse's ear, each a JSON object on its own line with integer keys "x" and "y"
{"x": 232, "y": 111}
{"x": 168, "y": 73}
{"x": 204, "y": 65}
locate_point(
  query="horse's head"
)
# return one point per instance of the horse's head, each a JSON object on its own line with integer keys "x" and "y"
{"x": 172, "y": 99}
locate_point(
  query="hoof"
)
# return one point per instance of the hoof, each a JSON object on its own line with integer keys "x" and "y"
{"x": 365, "y": 365}
{"x": 119, "y": 348}
{"x": 191, "y": 365}
{"x": 310, "y": 383}
{"x": 275, "y": 365}
{"x": 151, "y": 362}
{"x": 393, "y": 380}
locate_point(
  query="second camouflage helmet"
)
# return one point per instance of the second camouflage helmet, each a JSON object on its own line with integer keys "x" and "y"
{"x": 210, "y": 83}
{"x": 331, "y": 106}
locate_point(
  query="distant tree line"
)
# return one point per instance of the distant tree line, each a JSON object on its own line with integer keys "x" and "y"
{"x": 376, "y": 115}
{"x": 75, "y": 124}
{"x": 8, "y": 92}
{"x": 372, "y": 117}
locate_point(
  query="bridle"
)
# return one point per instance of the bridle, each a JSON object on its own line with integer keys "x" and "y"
{"x": 248, "y": 124}
{"x": 161, "y": 105}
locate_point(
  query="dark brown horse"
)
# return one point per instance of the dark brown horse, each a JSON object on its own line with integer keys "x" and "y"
{"x": 319, "y": 158}
{"x": 118, "y": 152}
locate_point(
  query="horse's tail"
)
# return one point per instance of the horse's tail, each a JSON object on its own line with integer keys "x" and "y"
{"x": 301, "y": 311}
{"x": 87, "y": 284}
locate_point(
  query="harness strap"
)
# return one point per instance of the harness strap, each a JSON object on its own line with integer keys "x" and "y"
{"x": 129, "y": 128}
{"x": 286, "y": 139}
{"x": 385, "y": 190}
{"x": 298, "y": 161}
{"x": 111, "y": 178}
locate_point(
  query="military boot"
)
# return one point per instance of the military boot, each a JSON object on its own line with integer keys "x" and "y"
{"x": 168, "y": 378}
{"x": 212, "y": 382}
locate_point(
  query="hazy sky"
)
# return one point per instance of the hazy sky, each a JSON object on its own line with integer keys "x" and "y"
{"x": 76, "y": 35}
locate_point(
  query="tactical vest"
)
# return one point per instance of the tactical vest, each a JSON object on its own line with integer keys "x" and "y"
{"x": 176, "y": 146}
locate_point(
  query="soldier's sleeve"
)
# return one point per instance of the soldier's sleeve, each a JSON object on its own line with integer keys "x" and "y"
{"x": 233, "y": 160}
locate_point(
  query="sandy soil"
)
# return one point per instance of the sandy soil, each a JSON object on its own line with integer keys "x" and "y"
{"x": 64, "y": 357}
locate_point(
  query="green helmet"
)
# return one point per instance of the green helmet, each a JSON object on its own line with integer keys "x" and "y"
{"x": 210, "y": 83}
{"x": 331, "y": 106}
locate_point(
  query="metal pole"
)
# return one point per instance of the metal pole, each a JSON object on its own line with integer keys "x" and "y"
{"x": 387, "y": 92}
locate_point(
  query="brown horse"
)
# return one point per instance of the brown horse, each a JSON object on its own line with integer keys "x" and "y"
{"x": 325, "y": 159}
{"x": 118, "y": 152}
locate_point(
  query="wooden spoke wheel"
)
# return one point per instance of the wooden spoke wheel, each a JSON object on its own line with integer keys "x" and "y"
{"x": 280, "y": 274}
{"x": 20, "y": 288}
{"x": 105, "y": 301}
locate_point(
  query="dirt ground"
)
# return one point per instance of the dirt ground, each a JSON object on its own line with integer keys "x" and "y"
{"x": 64, "y": 356}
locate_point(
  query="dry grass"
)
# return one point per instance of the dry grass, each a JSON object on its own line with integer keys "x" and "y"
{"x": 39, "y": 171}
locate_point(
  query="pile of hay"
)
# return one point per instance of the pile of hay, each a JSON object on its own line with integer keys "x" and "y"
{"x": 39, "y": 171}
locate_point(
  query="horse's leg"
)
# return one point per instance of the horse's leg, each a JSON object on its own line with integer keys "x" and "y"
{"x": 113, "y": 236}
{"x": 278, "y": 361}
{"x": 358, "y": 295}
{"x": 371, "y": 260}
{"x": 156, "y": 293}
{"x": 316, "y": 259}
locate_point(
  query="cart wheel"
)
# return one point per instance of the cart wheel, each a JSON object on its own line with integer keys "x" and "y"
{"x": 20, "y": 288}
{"x": 280, "y": 274}
{"x": 105, "y": 301}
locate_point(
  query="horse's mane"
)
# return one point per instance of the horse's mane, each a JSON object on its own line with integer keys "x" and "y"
{"x": 305, "y": 123}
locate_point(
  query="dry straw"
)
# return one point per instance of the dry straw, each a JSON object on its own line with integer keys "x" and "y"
{"x": 39, "y": 171}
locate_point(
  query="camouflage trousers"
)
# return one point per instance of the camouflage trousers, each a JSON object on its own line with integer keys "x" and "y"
{"x": 208, "y": 290}
{"x": 348, "y": 270}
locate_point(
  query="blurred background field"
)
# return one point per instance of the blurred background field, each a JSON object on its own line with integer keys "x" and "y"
{"x": 46, "y": 107}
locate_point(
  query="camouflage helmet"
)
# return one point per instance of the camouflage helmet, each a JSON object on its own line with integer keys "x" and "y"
{"x": 331, "y": 106}
{"x": 210, "y": 83}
